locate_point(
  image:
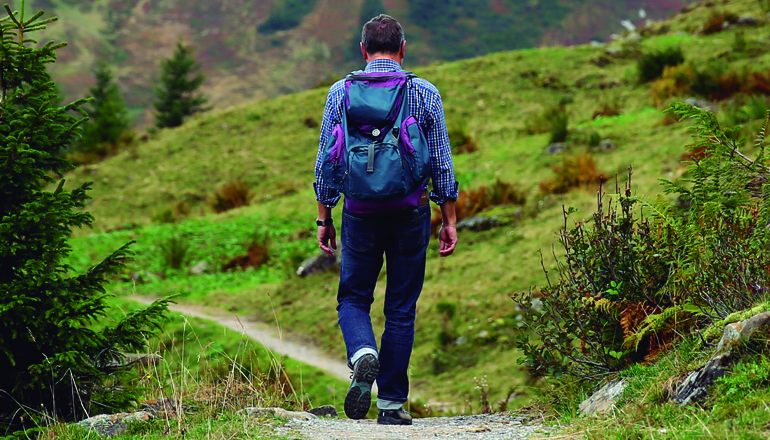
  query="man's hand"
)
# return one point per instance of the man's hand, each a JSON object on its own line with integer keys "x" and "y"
{"x": 447, "y": 237}
{"x": 327, "y": 239}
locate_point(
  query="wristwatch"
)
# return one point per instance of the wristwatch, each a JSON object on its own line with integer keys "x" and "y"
{"x": 326, "y": 222}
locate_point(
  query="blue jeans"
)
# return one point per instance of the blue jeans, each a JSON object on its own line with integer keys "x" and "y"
{"x": 403, "y": 239}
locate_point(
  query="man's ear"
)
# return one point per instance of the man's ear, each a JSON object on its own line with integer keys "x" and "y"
{"x": 363, "y": 52}
{"x": 403, "y": 49}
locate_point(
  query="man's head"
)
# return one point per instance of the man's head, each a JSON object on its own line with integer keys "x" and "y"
{"x": 383, "y": 37}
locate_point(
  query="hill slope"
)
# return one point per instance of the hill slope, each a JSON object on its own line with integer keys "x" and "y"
{"x": 272, "y": 144}
{"x": 248, "y": 51}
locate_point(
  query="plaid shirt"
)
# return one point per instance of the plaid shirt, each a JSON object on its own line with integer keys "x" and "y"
{"x": 426, "y": 106}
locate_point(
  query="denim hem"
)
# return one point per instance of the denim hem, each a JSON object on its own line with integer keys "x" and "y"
{"x": 389, "y": 405}
{"x": 361, "y": 352}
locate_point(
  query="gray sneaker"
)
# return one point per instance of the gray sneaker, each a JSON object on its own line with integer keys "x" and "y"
{"x": 359, "y": 397}
{"x": 394, "y": 417}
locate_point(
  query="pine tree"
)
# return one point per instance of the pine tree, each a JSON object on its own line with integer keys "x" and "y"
{"x": 176, "y": 95}
{"x": 108, "y": 113}
{"x": 52, "y": 360}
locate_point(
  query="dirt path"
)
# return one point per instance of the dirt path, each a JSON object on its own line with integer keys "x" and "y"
{"x": 264, "y": 334}
{"x": 479, "y": 427}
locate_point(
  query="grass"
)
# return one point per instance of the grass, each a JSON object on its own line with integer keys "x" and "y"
{"x": 267, "y": 145}
{"x": 736, "y": 407}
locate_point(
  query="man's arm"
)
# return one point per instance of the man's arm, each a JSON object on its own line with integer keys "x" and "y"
{"x": 327, "y": 197}
{"x": 445, "y": 188}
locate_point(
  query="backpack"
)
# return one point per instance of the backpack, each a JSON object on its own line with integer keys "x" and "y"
{"x": 379, "y": 152}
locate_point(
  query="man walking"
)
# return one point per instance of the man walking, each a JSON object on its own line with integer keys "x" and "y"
{"x": 374, "y": 225}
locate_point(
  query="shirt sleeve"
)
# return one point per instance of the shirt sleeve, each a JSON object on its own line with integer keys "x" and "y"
{"x": 332, "y": 116}
{"x": 445, "y": 186}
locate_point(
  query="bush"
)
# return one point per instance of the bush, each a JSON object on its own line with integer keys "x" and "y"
{"x": 629, "y": 286}
{"x": 461, "y": 141}
{"x": 231, "y": 196}
{"x": 716, "y": 22}
{"x": 257, "y": 254}
{"x": 651, "y": 65}
{"x": 559, "y": 128}
{"x": 575, "y": 171}
{"x": 544, "y": 121}
{"x": 608, "y": 282}
{"x": 174, "y": 252}
{"x": 57, "y": 361}
{"x": 609, "y": 105}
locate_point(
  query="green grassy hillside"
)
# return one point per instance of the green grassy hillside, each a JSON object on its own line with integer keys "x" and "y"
{"x": 272, "y": 144}
{"x": 252, "y": 49}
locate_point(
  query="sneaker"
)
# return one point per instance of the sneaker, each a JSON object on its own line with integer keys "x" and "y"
{"x": 359, "y": 397}
{"x": 394, "y": 417}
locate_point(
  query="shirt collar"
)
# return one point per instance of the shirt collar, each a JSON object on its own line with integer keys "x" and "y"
{"x": 383, "y": 65}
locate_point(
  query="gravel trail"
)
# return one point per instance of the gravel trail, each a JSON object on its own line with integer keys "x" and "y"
{"x": 479, "y": 427}
{"x": 264, "y": 334}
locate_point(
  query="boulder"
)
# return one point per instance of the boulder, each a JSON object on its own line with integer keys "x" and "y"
{"x": 317, "y": 264}
{"x": 605, "y": 399}
{"x": 702, "y": 104}
{"x": 278, "y": 412}
{"x": 606, "y": 145}
{"x": 555, "y": 148}
{"x": 110, "y": 425}
{"x": 695, "y": 387}
{"x": 200, "y": 268}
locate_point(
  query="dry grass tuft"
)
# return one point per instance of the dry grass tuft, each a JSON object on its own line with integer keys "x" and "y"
{"x": 575, "y": 171}
{"x": 231, "y": 196}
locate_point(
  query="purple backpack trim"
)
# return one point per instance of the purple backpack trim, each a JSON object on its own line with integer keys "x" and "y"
{"x": 338, "y": 150}
{"x": 367, "y": 208}
{"x": 405, "y": 139}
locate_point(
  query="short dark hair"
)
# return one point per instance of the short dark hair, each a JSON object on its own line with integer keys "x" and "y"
{"x": 382, "y": 34}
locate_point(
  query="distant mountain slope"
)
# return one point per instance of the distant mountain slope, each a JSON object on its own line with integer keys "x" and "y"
{"x": 263, "y": 48}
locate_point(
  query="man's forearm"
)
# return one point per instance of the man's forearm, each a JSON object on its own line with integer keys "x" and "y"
{"x": 448, "y": 213}
{"x": 325, "y": 212}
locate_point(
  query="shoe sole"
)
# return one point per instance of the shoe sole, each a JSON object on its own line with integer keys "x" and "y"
{"x": 393, "y": 422}
{"x": 359, "y": 397}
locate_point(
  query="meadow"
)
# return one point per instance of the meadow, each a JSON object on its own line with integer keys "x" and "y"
{"x": 158, "y": 193}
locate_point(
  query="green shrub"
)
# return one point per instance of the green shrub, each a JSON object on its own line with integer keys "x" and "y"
{"x": 174, "y": 252}
{"x": 55, "y": 364}
{"x": 628, "y": 286}
{"x": 544, "y": 121}
{"x": 559, "y": 128}
{"x": 651, "y": 65}
{"x": 609, "y": 280}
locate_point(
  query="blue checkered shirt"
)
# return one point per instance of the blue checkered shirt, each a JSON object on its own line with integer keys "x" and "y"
{"x": 425, "y": 105}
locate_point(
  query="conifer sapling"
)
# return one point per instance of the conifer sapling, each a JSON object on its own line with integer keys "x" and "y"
{"x": 54, "y": 363}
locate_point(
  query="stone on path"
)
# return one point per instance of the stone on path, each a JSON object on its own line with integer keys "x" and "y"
{"x": 324, "y": 411}
{"x": 278, "y": 412}
{"x": 603, "y": 400}
{"x": 110, "y": 425}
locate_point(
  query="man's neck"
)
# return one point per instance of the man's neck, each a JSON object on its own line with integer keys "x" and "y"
{"x": 395, "y": 59}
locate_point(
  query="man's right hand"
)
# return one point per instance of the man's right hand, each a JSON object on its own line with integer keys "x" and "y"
{"x": 327, "y": 239}
{"x": 447, "y": 238}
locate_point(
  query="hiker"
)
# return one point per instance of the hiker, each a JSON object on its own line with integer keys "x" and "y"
{"x": 383, "y": 137}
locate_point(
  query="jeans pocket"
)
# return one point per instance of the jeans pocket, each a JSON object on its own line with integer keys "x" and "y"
{"x": 358, "y": 235}
{"x": 415, "y": 238}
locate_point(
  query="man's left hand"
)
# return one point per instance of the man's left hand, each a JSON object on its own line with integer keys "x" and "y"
{"x": 327, "y": 239}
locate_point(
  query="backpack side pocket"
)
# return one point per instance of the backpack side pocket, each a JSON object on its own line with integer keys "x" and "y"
{"x": 415, "y": 149}
{"x": 333, "y": 165}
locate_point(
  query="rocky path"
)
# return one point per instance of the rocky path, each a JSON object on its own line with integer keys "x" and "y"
{"x": 480, "y": 427}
